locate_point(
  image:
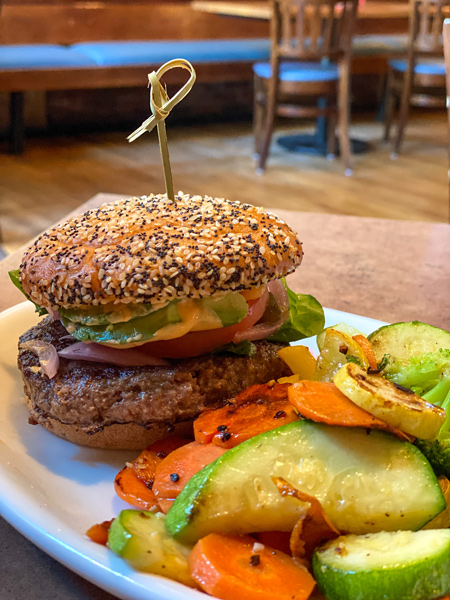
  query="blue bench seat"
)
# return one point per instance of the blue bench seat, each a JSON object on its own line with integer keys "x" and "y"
{"x": 42, "y": 56}
{"x": 131, "y": 54}
{"x": 141, "y": 53}
{"x": 120, "y": 54}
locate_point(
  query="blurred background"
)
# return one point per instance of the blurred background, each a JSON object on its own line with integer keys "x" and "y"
{"x": 73, "y": 86}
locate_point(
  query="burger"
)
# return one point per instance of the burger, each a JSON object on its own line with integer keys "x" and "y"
{"x": 157, "y": 309}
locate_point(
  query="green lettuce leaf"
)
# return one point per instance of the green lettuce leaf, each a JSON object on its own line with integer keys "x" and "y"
{"x": 15, "y": 278}
{"x": 305, "y": 319}
{"x": 137, "y": 329}
{"x": 102, "y": 314}
{"x": 230, "y": 308}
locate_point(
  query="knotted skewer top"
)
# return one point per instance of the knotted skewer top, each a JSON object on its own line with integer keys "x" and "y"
{"x": 161, "y": 105}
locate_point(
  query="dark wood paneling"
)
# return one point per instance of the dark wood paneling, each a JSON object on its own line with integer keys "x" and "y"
{"x": 119, "y": 77}
{"x": 79, "y": 22}
{"x": 93, "y": 3}
{"x": 115, "y": 108}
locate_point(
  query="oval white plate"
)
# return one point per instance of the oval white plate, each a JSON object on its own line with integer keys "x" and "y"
{"x": 53, "y": 490}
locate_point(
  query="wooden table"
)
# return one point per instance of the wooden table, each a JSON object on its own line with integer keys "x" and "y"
{"x": 379, "y": 268}
{"x": 389, "y": 270}
{"x": 262, "y": 10}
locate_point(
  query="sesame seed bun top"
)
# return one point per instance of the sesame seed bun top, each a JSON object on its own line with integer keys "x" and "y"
{"x": 152, "y": 250}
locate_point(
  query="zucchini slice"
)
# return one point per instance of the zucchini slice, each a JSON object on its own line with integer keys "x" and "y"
{"x": 365, "y": 480}
{"x": 142, "y": 540}
{"x": 397, "y": 565}
{"x": 402, "y": 340}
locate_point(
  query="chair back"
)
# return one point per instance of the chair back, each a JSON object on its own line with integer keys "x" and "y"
{"x": 311, "y": 30}
{"x": 446, "y": 36}
{"x": 426, "y": 20}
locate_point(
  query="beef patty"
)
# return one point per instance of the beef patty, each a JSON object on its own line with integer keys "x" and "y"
{"x": 96, "y": 404}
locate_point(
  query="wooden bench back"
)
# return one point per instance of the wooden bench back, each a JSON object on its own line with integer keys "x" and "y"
{"x": 67, "y": 22}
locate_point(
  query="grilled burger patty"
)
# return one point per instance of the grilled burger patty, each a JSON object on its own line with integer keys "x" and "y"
{"x": 99, "y": 399}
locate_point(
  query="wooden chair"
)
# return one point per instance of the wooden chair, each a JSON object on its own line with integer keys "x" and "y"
{"x": 310, "y": 60}
{"x": 420, "y": 78}
{"x": 446, "y": 34}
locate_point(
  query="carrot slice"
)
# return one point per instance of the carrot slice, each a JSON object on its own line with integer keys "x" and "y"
{"x": 323, "y": 402}
{"x": 134, "y": 483}
{"x": 227, "y": 567}
{"x": 99, "y": 532}
{"x": 367, "y": 349}
{"x": 165, "y": 504}
{"x": 147, "y": 461}
{"x": 258, "y": 409}
{"x": 174, "y": 472}
{"x": 133, "y": 490}
{"x": 312, "y": 528}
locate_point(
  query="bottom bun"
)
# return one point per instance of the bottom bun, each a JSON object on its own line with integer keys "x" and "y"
{"x": 126, "y": 436}
{"x": 107, "y": 406}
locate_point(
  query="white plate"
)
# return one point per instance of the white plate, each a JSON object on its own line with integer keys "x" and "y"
{"x": 52, "y": 491}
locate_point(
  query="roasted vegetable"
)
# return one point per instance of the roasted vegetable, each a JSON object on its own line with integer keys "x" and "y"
{"x": 428, "y": 375}
{"x": 364, "y": 481}
{"x": 442, "y": 520}
{"x": 402, "y": 565}
{"x": 142, "y": 540}
{"x": 336, "y": 349}
{"x": 396, "y": 405}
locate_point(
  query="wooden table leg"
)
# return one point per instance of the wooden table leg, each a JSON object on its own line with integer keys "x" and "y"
{"x": 17, "y": 123}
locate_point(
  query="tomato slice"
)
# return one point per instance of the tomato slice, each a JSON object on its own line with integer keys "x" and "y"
{"x": 195, "y": 343}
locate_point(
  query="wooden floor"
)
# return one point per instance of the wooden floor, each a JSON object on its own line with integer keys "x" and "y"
{"x": 57, "y": 174}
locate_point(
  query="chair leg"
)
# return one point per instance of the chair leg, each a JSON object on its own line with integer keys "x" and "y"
{"x": 17, "y": 123}
{"x": 258, "y": 116}
{"x": 389, "y": 104}
{"x": 404, "y": 110}
{"x": 343, "y": 115}
{"x": 267, "y": 137}
{"x": 381, "y": 100}
{"x": 331, "y": 136}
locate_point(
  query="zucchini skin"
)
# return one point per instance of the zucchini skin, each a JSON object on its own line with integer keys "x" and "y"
{"x": 426, "y": 580}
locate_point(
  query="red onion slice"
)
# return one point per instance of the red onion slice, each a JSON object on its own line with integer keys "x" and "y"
{"x": 261, "y": 331}
{"x": 47, "y": 355}
{"x": 54, "y": 314}
{"x": 128, "y": 357}
{"x": 279, "y": 292}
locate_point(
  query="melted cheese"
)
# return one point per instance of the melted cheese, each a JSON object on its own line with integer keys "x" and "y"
{"x": 194, "y": 317}
{"x": 254, "y": 293}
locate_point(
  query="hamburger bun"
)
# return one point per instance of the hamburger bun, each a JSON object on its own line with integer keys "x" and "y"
{"x": 152, "y": 250}
{"x": 141, "y": 272}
